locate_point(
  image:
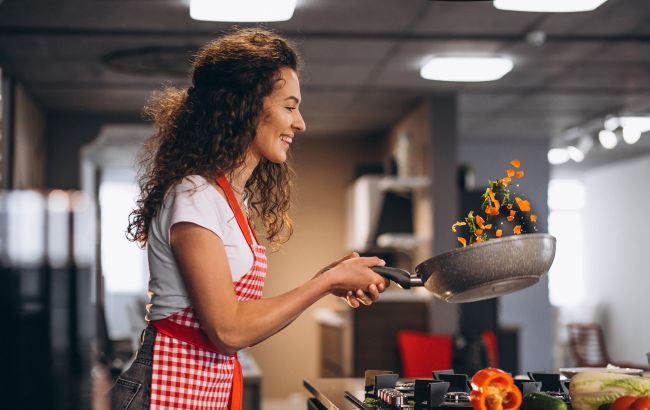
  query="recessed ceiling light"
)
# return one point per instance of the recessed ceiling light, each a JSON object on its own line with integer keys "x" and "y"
{"x": 242, "y": 10}
{"x": 575, "y": 154}
{"x": 633, "y": 127}
{"x": 557, "y": 156}
{"x": 548, "y": 6}
{"x": 467, "y": 69}
{"x": 607, "y": 139}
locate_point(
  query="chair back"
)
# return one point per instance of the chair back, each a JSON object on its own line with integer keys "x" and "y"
{"x": 587, "y": 345}
{"x": 421, "y": 353}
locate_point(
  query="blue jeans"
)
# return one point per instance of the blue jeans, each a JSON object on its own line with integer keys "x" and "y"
{"x": 132, "y": 390}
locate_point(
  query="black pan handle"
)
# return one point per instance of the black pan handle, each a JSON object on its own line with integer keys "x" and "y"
{"x": 399, "y": 276}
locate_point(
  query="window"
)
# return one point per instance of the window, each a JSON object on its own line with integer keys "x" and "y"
{"x": 566, "y": 198}
{"x": 124, "y": 264}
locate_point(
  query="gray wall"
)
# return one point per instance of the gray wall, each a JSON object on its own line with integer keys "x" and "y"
{"x": 528, "y": 309}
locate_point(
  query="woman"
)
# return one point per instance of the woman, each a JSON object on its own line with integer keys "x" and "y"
{"x": 216, "y": 161}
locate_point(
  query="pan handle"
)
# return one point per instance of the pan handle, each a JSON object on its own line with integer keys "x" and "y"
{"x": 399, "y": 276}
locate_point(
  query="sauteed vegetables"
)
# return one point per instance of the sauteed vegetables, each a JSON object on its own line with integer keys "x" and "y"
{"x": 496, "y": 196}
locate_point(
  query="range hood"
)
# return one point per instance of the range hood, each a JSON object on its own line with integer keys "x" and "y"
{"x": 380, "y": 212}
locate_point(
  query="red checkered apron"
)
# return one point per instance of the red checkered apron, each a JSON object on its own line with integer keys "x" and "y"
{"x": 188, "y": 370}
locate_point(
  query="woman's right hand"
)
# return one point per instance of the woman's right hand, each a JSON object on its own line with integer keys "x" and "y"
{"x": 352, "y": 279}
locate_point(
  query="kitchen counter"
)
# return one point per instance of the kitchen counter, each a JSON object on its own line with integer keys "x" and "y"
{"x": 330, "y": 393}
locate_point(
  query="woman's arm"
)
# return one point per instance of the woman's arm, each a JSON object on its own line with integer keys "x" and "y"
{"x": 231, "y": 324}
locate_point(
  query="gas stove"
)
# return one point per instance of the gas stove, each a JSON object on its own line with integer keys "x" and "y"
{"x": 446, "y": 390}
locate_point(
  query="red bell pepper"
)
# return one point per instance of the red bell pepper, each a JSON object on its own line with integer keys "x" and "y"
{"x": 494, "y": 389}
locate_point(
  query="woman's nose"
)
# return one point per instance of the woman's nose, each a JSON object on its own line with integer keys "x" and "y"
{"x": 299, "y": 123}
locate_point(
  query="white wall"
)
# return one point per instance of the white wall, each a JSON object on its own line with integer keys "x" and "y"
{"x": 528, "y": 309}
{"x": 617, "y": 254}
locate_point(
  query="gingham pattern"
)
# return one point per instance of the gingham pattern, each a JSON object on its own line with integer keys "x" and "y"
{"x": 189, "y": 377}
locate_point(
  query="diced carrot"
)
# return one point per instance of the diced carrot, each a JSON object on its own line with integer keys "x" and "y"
{"x": 510, "y": 218}
{"x": 517, "y": 229}
{"x": 478, "y": 239}
{"x": 490, "y": 210}
{"x": 515, "y": 163}
{"x": 491, "y": 195}
{"x": 510, "y": 172}
{"x": 498, "y": 233}
{"x": 512, "y": 212}
{"x": 533, "y": 218}
{"x": 479, "y": 221}
{"x": 509, "y": 206}
{"x": 463, "y": 241}
{"x": 478, "y": 231}
{"x": 488, "y": 226}
{"x": 523, "y": 204}
{"x": 505, "y": 181}
{"x": 519, "y": 174}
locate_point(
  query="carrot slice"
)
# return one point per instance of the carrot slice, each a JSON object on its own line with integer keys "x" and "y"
{"x": 509, "y": 206}
{"x": 523, "y": 204}
{"x": 479, "y": 221}
{"x": 498, "y": 233}
{"x": 510, "y": 172}
{"x": 478, "y": 239}
{"x": 517, "y": 229}
{"x": 505, "y": 181}
{"x": 478, "y": 231}
{"x": 533, "y": 218}
{"x": 519, "y": 174}
{"x": 515, "y": 163}
{"x": 488, "y": 226}
{"x": 510, "y": 218}
{"x": 463, "y": 241}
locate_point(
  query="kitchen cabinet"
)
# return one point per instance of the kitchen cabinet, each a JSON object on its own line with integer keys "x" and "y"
{"x": 366, "y": 338}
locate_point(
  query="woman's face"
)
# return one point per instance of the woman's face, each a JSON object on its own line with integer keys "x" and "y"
{"x": 281, "y": 119}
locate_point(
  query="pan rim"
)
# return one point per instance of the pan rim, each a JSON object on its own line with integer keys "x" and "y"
{"x": 491, "y": 242}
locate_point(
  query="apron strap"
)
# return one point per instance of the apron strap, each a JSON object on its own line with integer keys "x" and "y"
{"x": 222, "y": 181}
{"x": 193, "y": 336}
{"x": 237, "y": 393}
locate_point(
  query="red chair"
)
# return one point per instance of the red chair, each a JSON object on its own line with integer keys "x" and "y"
{"x": 421, "y": 353}
{"x": 491, "y": 347}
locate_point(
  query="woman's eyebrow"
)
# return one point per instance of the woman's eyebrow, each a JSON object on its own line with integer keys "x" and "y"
{"x": 296, "y": 99}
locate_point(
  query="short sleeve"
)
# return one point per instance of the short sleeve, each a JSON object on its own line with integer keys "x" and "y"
{"x": 196, "y": 201}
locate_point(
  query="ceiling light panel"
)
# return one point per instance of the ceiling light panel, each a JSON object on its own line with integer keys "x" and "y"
{"x": 242, "y": 10}
{"x": 466, "y": 69}
{"x": 548, "y": 6}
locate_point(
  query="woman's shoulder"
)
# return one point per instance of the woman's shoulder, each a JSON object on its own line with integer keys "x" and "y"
{"x": 192, "y": 183}
{"x": 196, "y": 189}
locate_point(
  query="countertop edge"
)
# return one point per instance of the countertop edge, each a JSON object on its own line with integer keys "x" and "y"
{"x": 318, "y": 395}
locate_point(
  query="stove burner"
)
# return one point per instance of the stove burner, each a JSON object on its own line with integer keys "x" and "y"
{"x": 456, "y": 397}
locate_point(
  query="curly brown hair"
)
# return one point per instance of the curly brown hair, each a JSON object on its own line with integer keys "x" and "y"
{"x": 206, "y": 129}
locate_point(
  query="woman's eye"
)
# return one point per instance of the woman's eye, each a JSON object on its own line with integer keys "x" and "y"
{"x": 291, "y": 108}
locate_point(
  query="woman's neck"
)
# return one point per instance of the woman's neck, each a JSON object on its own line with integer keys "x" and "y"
{"x": 240, "y": 176}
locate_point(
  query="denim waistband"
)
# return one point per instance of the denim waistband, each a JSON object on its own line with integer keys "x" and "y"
{"x": 145, "y": 353}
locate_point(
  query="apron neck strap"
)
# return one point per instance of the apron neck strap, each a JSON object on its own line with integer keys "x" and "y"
{"x": 222, "y": 181}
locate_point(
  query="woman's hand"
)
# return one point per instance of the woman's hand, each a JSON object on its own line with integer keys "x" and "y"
{"x": 354, "y": 281}
{"x": 354, "y": 298}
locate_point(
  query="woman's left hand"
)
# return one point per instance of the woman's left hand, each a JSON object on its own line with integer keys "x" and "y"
{"x": 359, "y": 297}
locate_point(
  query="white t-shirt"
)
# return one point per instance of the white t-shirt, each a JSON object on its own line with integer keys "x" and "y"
{"x": 192, "y": 200}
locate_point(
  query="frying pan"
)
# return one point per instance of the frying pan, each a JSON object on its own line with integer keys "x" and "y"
{"x": 481, "y": 271}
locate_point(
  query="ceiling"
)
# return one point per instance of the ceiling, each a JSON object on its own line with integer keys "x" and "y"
{"x": 362, "y": 60}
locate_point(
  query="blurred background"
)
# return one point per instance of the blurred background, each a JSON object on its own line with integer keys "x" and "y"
{"x": 392, "y": 156}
